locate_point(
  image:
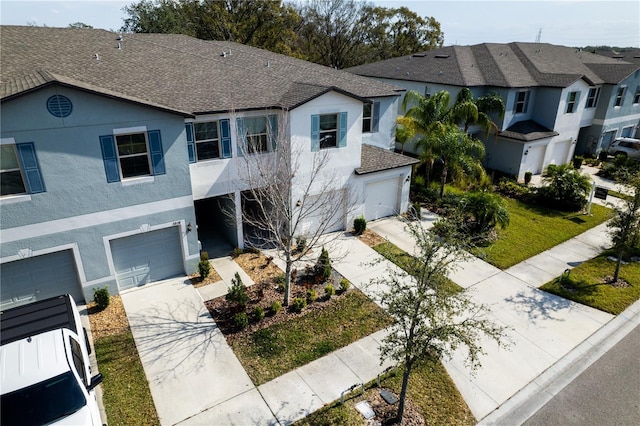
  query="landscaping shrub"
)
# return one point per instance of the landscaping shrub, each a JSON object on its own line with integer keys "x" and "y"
{"x": 101, "y": 298}
{"x": 236, "y": 252}
{"x": 258, "y": 313}
{"x": 312, "y": 295}
{"x": 344, "y": 284}
{"x": 329, "y": 290}
{"x": 280, "y": 281}
{"x": 322, "y": 268}
{"x": 565, "y": 188}
{"x": 527, "y": 177}
{"x": 299, "y": 303}
{"x": 484, "y": 211}
{"x": 241, "y": 320}
{"x": 359, "y": 225}
{"x": 514, "y": 190}
{"x": 603, "y": 156}
{"x": 275, "y": 307}
{"x": 238, "y": 292}
{"x": 204, "y": 267}
{"x": 577, "y": 161}
{"x": 301, "y": 244}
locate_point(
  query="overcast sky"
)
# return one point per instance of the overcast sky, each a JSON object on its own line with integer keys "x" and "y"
{"x": 565, "y": 22}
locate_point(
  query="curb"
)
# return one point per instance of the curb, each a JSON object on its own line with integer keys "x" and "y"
{"x": 527, "y": 401}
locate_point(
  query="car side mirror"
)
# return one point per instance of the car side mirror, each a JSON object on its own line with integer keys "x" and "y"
{"x": 95, "y": 381}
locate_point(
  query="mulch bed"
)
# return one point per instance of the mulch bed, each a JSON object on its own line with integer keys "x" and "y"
{"x": 370, "y": 238}
{"x": 112, "y": 320}
{"x": 386, "y": 413}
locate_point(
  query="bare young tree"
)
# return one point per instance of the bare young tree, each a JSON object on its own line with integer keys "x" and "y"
{"x": 433, "y": 317}
{"x": 625, "y": 224}
{"x": 291, "y": 196}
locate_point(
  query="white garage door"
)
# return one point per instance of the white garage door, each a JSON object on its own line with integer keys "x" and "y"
{"x": 560, "y": 152}
{"x": 39, "y": 277}
{"x": 534, "y": 159}
{"x": 143, "y": 258}
{"x": 381, "y": 199}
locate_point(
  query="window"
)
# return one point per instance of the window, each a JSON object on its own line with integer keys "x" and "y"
{"x": 132, "y": 154}
{"x": 592, "y": 98}
{"x": 427, "y": 95}
{"x": 620, "y": 96}
{"x": 370, "y": 117}
{"x": 256, "y": 134}
{"x": 522, "y": 98}
{"x": 76, "y": 353}
{"x": 572, "y": 100}
{"x": 626, "y": 132}
{"x": 636, "y": 97}
{"x": 328, "y": 131}
{"x": 207, "y": 140}
{"x": 19, "y": 170}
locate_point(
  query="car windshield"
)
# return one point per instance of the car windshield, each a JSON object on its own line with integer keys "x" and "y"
{"x": 44, "y": 402}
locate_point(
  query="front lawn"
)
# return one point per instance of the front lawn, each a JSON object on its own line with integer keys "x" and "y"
{"x": 534, "y": 229}
{"x": 586, "y": 285}
{"x": 431, "y": 393}
{"x": 269, "y": 352}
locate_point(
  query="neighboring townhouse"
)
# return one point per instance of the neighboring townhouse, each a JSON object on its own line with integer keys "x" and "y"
{"x": 119, "y": 151}
{"x": 559, "y": 100}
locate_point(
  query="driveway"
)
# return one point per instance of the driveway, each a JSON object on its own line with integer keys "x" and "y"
{"x": 193, "y": 374}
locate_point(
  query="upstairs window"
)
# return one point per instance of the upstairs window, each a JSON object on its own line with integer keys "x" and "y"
{"x": 132, "y": 155}
{"x": 636, "y": 97}
{"x": 207, "y": 140}
{"x": 19, "y": 170}
{"x": 620, "y": 97}
{"x": 370, "y": 117}
{"x": 522, "y": 99}
{"x": 256, "y": 134}
{"x": 592, "y": 98}
{"x": 328, "y": 131}
{"x": 572, "y": 101}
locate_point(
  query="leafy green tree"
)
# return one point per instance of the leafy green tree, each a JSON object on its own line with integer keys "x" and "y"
{"x": 80, "y": 26}
{"x": 564, "y": 187}
{"x": 625, "y": 224}
{"x": 432, "y": 318}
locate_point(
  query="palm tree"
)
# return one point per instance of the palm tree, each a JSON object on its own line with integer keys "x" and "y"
{"x": 459, "y": 153}
{"x": 487, "y": 209}
{"x": 468, "y": 111}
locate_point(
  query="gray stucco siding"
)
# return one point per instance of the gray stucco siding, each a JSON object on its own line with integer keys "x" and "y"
{"x": 70, "y": 156}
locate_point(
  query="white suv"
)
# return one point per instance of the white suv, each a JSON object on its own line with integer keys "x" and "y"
{"x": 627, "y": 147}
{"x": 45, "y": 376}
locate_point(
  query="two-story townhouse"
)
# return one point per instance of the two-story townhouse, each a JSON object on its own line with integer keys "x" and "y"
{"x": 119, "y": 152}
{"x": 550, "y": 93}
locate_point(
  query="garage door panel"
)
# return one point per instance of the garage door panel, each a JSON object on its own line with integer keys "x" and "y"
{"x": 381, "y": 199}
{"x": 143, "y": 258}
{"x": 39, "y": 277}
{"x": 560, "y": 152}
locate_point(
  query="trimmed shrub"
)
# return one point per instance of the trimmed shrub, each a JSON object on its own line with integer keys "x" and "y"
{"x": 514, "y": 190}
{"x": 527, "y": 177}
{"x": 258, "y": 313}
{"x": 359, "y": 225}
{"x": 275, "y": 307}
{"x": 241, "y": 320}
{"x": 236, "y": 252}
{"x": 101, "y": 298}
{"x": 565, "y": 188}
{"x": 344, "y": 284}
{"x": 329, "y": 290}
{"x": 204, "y": 267}
{"x": 577, "y": 161}
{"x": 238, "y": 292}
{"x": 312, "y": 295}
{"x": 322, "y": 269}
{"x": 299, "y": 303}
{"x": 603, "y": 155}
{"x": 301, "y": 244}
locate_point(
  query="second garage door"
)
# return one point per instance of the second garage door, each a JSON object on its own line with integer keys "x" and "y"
{"x": 381, "y": 199}
{"x": 143, "y": 258}
{"x": 39, "y": 277}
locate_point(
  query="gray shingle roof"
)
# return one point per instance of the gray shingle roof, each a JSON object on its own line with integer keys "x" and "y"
{"x": 527, "y": 130}
{"x": 172, "y": 71}
{"x": 500, "y": 65}
{"x": 374, "y": 159}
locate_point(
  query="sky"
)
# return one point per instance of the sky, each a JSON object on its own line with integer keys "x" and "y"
{"x": 565, "y": 22}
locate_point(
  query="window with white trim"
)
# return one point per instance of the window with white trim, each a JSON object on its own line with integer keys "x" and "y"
{"x": 328, "y": 131}
{"x": 256, "y": 134}
{"x": 133, "y": 155}
{"x": 522, "y": 99}
{"x": 636, "y": 96}
{"x": 620, "y": 96}
{"x": 11, "y": 180}
{"x": 592, "y": 97}
{"x": 207, "y": 137}
{"x": 370, "y": 117}
{"x": 572, "y": 100}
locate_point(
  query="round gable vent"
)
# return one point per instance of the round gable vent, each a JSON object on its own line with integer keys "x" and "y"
{"x": 59, "y": 106}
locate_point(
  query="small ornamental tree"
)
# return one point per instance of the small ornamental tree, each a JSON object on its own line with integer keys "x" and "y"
{"x": 323, "y": 266}
{"x": 238, "y": 292}
{"x": 625, "y": 224}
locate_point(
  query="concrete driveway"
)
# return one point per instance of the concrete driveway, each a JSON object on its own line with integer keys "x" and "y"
{"x": 193, "y": 374}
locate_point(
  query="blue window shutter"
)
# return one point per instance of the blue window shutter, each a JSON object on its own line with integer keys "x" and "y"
{"x": 273, "y": 131}
{"x": 241, "y": 136}
{"x": 225, "y": 133}
{"x": 30, "y": 167}
{"x": 191, "y": 146}
{"x": 157, "y": 154}
{"x": 342, "y": 133}
{"x": 375, "y": 116}
{"x": 315, "y": 132}
{"x": 110, "y": 158}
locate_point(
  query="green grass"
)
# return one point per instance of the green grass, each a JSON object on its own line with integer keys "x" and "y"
{"x": 126, "y": 395}
{"x": 275, "y": 350}
{"x": 534, "y": 229}
{"x": 430, "y": 389}
{"x": 403, "y": 259}
{"x": 586, "y": 286}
